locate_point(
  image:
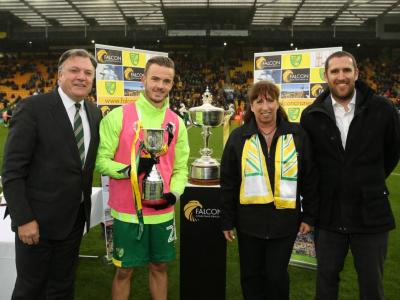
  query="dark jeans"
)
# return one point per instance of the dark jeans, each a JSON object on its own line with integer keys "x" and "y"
{"x": 369, "y": 252}
{"x": 263, "y": 267}
{"x": 46, "y": 271}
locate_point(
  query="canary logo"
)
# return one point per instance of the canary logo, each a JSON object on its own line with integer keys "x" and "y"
{"x": 134, "y": 57}
{"x": 111, "y": 86}
{"x": 286, "y": 75}
{"x": 294, "y": 113}
{"x": 322, "y": 74}
{"x": 189, "y": 210}
{"x": 296, "y": 59}
{"x": 119, "y": 252}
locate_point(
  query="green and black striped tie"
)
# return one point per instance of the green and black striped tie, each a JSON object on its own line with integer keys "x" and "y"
{"x": 78, "y": 131}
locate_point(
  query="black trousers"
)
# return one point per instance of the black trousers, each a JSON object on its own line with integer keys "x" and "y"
{"x": 263, "y": 267}
{"x": 369, "y": 252}
{"x": 46, "y": 271}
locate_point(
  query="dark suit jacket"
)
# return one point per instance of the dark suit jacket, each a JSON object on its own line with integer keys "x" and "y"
{"x": 352, "y": 188}
{"x": 42, "y": 174}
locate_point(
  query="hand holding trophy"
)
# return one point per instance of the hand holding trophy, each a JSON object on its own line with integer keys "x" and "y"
{"x": 153, "y": 185}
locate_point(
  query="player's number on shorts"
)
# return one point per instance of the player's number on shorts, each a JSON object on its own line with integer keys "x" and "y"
{"x": 171, "y": 237}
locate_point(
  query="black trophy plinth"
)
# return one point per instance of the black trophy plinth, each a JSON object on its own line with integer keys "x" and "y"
{"x": 202, "y": 245}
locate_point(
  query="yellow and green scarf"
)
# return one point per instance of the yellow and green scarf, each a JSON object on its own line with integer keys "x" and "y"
{"x": 256, "y": 187}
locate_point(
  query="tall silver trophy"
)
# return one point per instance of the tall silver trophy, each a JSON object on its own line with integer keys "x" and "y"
{"x": 205, "y": 170}
{"x": 153, "y": 185}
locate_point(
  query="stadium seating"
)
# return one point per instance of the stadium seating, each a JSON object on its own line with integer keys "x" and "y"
{"x": 228, "y": 80}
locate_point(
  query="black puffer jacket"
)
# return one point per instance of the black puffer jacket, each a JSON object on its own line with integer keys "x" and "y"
{"x": 352, "y": 190}
{"x": 263, "y": 220}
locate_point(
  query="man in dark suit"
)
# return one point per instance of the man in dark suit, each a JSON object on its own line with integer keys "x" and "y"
{"x": 47, "y": 178}
{"x": 356, "y": 144}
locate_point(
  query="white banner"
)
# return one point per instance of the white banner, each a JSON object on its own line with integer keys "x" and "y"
{"x": 298, "y": 74}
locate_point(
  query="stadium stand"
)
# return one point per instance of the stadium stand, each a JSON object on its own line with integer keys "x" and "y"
{"x": 228, "y": 81}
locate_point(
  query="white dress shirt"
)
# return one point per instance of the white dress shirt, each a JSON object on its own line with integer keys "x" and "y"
{"x": 69, "y": 105}
{"x": 344, "y": 117}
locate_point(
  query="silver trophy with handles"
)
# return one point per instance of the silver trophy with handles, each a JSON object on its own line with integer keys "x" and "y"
{"x": 205, "y": 170}
{"x": 153, "y": 185}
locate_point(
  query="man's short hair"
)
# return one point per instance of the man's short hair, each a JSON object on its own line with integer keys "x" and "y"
{"x": 163, "y": 61}
{"x": 76, "y": 52}
{"x": 340, "y": 54}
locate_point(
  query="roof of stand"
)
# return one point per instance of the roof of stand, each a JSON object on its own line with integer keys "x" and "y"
{"x": 198, "y": 14}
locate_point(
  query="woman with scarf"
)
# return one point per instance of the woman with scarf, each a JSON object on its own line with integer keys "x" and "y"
{"x": 268, "y": 185}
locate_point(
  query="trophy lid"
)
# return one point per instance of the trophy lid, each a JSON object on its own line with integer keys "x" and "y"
{"x": 207, "y": 106}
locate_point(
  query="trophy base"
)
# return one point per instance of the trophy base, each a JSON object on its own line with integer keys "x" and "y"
{"x": 204, "y": 181}
{"x": 204, "y": 172}
{"x": 154, "y": 203}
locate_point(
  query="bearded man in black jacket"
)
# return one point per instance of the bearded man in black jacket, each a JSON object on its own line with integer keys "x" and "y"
{"x": 356, "y": 139}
